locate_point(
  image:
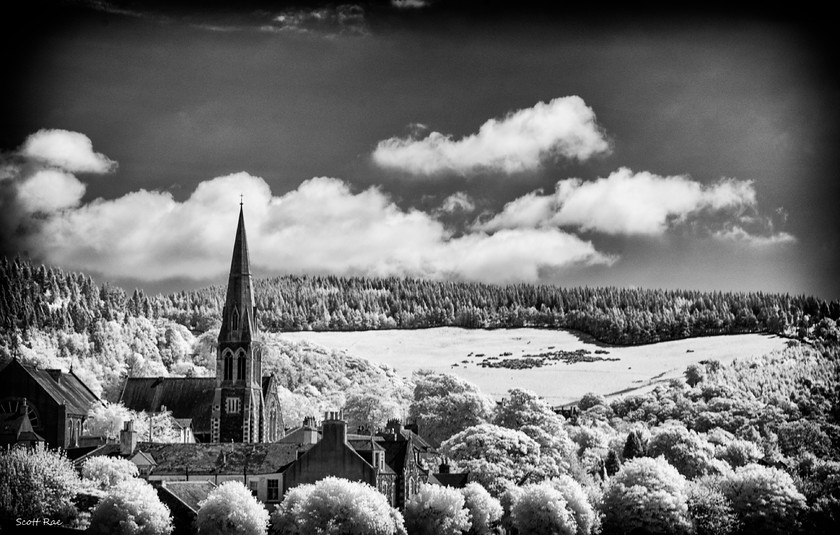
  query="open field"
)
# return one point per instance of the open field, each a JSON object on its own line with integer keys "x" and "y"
{"x": 455, "y": 350}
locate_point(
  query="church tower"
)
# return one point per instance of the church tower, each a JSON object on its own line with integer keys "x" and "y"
{"x": 238, "y": 401}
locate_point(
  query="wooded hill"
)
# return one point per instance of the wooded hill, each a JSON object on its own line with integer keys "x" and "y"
{"x": 47, "y": 298}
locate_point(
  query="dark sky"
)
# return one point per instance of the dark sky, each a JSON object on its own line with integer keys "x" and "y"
{"x": 463, "y": 140}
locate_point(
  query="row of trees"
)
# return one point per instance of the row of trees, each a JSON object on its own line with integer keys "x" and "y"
{"x": 46, "y": 298}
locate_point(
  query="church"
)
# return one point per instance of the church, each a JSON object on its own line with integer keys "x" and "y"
{"x": 239, "y": 404}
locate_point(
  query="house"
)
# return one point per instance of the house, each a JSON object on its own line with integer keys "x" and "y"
{"x": 239, "y": 404}
{"x": 56, "y": 402}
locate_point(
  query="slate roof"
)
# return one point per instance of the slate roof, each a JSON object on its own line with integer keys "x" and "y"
{"x": 80, "y": 455}
{"x": 186, "y": 397}
{"x": 63, "y": 387}
{"x": 190, "y": 493}
{"x": 456, "y": 480}
{"x": 228, "y": 458}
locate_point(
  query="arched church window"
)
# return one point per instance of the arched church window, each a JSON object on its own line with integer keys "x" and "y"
{"x": 241, "y": 362}
{"x": 272, "y": 424}
{"x": 227, "y": 361}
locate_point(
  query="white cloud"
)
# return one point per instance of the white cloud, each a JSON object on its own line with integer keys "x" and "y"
{"x": 624, "y": 203}
{"x": 409, "y": 4}
{"x": 521, "y": 141}
{"x": 70, "y": 151}
{"x": 737, "y": 234}
{"x": 457, "y": 202}
{"x": 49, "y": 190}
{"x": 320, "y": 227}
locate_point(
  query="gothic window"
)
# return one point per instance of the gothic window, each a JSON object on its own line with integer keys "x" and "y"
{"x": 234, "y": 319}
{"x": 240, "y": 366}
{"x": 228, "y": 367}
{"x": 272, "y": 424}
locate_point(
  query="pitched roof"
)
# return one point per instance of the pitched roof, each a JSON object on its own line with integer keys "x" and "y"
{"x": 190, "y": 493}
{"x": 63, "y": 387}
{"x": 186, "y": 397}
{"x": 456, "y": 480}
{"x": 221, "y": 458}
{"x": 80, "y": 455}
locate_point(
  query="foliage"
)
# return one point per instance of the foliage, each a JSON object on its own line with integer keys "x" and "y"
{"x": 694, "y": 374}
{"x": 36, "y": 484}
{"x": 576, "y": 502}
{"x": 765, "y": 499}
{"x": 590, "y": 399}
{"x": 106, "y": 420}
{"x": 485, "y": 510}
{"x": 231, "y": 509}
{"x": 445, "y": 405}
{"x": 336, "y": 506}
{"x": 523, "y": 407}
{"x": 436, "y": 510}
{"x": 540, "y": 509}
{"x": 646, "y": 494}
{"x": 634, "y": 446}
{"x": 685, "y": 450}
{"x": 164, "y": 428}
{"x": 494, "y": 456}
{"x": 131, "y": 508}
{"x": 710, "y": 511}
{"x": 108, "y": 472}
{"x": 370, "y": 409}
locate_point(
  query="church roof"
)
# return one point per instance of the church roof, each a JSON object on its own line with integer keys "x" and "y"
{"x": 221, "y": 458}
{"x": 238, "y": 320}
{"x": 62, "y": 387}
{"x": 186, "y": 397}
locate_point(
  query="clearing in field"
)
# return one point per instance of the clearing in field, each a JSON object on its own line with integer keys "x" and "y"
{"x": 460, "y": 351}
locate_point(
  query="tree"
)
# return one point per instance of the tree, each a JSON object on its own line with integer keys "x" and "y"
{"x": 445, "y": 405}
{"x": 591, "y": 399}
{"x": 541, "y": 509}
{"x": 765, "y": 499}
{"x": 646, "y": 494}
{"x": 108, "y": 472}
{"x": 710, "y": 511}
{"x": 576, "y": 502}
{"x": 336, "y": 506}
{"x": 36, "y": 484}
{"x": 494, "y": 456}
{"x": 231, "y": 509}
{"x": 634, "y": 446}
{"x": 436, "y": 510}
{"x": 695, "y": 374}
{"x": 523, "y": 407}
{"x": 370, "y": 409}
{"x": 686, "y": 450}
{"x": 485, "y": 510}
{"x": 131, "y": 508}
{"x": 106, "y": 420}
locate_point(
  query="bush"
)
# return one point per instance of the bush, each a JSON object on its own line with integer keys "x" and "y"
{"x": 336, "y": 506}
{"x": 231, "y": 509}
{"x": 485, "y": 510}
{"x": 131, "y": 508}
{"x": 646, "y": 494}
{"x": 765, "y": 499}
{"x": 36, "y": 485}
{"x": 436, "y": 510}
{"x": 108, "y": 472}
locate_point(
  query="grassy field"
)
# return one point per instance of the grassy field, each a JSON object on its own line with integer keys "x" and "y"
{"x": 455, "y": 350}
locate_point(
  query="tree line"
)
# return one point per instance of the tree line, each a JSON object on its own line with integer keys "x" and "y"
{"x": 47, "y": 298}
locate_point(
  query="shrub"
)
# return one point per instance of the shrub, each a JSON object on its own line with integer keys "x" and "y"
{"x": 36, "y": 485}
{"x": 131, "y": 508}
{"x": 436, "y": 510}
{"x": 231, "y": 509}
{"x": 541, "y": 509}
{"x": 336, "y": 506}
{"x": 108, "y": 472}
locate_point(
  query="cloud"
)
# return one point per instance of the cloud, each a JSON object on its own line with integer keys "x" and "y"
{"x": 49, "y": 190}
{"x": 409, "y": 4}
{"x": 67, "y": 150}
{"x": 521, "y": 141}
{"x": 330, "y": 19}
{"x": 457, "y": 202}
{"x": 322, "y": 226}
{"x": 625, "y": 203}
{"x": 739, "y": 235}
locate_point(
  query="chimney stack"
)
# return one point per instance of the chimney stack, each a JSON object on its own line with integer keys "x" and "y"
{"x": 334, "y": 430}
{"x": 128, "y": 438}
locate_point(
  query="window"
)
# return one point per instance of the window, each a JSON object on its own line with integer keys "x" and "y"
{"x": 240, "y": 366}
{"x": 273, "y": 490}
{"x": 253, "y": 486}
{"x": 228, "y": 367}
{"x": 232, "y": 405}
{"x": 234, "y": 320}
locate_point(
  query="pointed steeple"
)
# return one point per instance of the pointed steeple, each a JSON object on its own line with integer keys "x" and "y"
{"x": 238, "y": 320}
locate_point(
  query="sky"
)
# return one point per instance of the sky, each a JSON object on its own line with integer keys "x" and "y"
{"x": 453, "y": 140}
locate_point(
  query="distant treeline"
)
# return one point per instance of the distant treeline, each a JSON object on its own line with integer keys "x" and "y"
{"x": 48, "y": 299}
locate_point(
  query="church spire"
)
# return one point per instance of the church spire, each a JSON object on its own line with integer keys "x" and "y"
{"x": 238, "y": 319}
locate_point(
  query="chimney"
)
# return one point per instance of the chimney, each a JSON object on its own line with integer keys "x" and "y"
{"x": 334, "y": 430}
{"x": 128, "y": 438}
{"x": 444, "y": 468}
{"x": 55, "y": 374}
